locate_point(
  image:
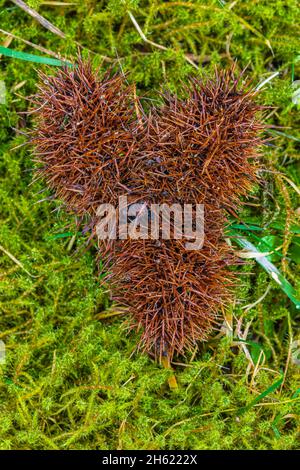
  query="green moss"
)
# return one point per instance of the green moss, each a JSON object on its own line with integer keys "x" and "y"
{"x": 72, "y": 381}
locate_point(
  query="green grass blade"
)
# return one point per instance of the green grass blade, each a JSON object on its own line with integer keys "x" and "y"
{"x": 269, "y": 390}
{"x": 256, "y": 228}
{"x": 247, "y": 227}
{"x": 283, "y": 134}
{"x": 271, "y": 269}
{"x": 32, "y": 57}
{"x": 60, "y": 235}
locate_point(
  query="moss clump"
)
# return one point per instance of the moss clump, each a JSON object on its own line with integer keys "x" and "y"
{"x": 69, "y": 380}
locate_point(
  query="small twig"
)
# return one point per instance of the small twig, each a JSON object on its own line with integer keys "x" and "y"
{"x": 59, "y": 4}
{"x": 71, "y": 243}
{"x": 248, "y": 307}
{"x": 136, "y": 105}
{"x": 294, "y": 186}
{"x": 267, "y": 80}
{"x": 165, "y": 362}
{"x": 257, "y": 368}
{"x": 15, "y": 260}
{"x": 154, "y": 44}
{"x": 35, "y": 46}
{"x": 289, "y": 352}
{"x": 243, "y": 337}
{"x": 39, "y": 18}
{"x": 111, "y": 313}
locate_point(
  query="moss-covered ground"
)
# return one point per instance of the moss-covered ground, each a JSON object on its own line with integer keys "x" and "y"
{"x": 70, "y": 379}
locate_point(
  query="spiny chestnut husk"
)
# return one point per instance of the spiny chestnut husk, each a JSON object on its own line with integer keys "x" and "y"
{"x": 204, "y": 146}
{"x": 201, "y": 149}
{"x": 174, "y": 295}
{"x": 85, "y": 135}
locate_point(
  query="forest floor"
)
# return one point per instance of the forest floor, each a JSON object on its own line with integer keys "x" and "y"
{"x": 70, "y": 379}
